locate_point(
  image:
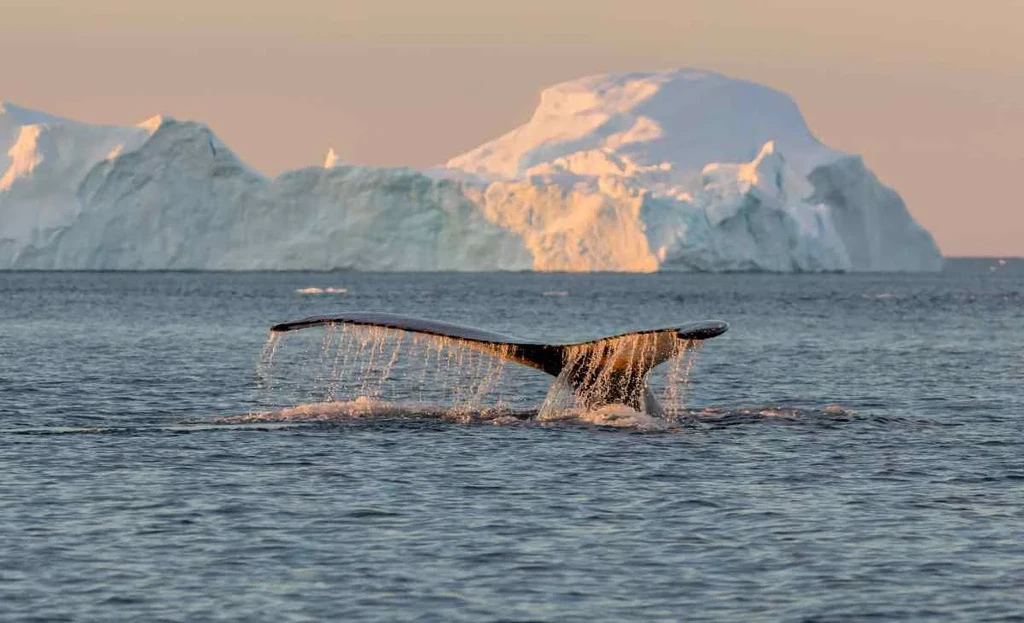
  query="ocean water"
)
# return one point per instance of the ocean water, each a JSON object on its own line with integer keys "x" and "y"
{"x": 852, "y": 449}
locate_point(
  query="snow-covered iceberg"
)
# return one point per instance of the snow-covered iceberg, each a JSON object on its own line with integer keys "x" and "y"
{"x": 674, "y": 170}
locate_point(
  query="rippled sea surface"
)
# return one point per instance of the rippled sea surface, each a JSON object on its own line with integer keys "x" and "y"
{"x": 854, "y": 451}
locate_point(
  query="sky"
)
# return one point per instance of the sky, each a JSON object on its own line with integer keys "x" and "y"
{"x": 931, "y": 93}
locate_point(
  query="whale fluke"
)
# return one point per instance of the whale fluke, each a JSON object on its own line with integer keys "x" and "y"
{"x": 608, "y": 370}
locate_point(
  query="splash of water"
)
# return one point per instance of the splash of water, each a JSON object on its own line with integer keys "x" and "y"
{"x": 267, "y": 356}
{"x": 610, "y": 371}
{"x": 264, "y": 375}
{"x": 675, "y": 394}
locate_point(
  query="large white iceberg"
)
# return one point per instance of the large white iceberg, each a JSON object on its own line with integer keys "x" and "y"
{"x": 678, "y": 170}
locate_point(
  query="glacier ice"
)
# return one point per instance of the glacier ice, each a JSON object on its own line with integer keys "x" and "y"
{"x": 672, "y": 170}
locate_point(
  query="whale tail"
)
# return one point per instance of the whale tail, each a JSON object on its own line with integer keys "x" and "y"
{"x": 609, "y": 370}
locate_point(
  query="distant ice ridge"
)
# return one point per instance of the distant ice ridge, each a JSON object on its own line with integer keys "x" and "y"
{"x": 170, "y": 195}
{"x": 673, "y": 170}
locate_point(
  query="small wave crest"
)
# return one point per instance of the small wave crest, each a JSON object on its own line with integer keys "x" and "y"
{"x": 726, "y": 417}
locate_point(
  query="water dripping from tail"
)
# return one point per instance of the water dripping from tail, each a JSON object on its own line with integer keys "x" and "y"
{"x": 391, "y": 359}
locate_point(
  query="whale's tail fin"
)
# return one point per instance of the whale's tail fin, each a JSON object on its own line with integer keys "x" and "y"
{"x": 609, "y": 370}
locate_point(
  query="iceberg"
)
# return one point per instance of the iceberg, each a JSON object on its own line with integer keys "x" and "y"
{"x": 671, "y": 170}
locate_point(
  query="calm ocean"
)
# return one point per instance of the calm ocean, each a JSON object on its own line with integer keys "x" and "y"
{"x": 853, "y": 449}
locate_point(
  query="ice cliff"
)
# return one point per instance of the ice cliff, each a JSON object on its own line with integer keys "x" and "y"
{"x": 674, "y": 170}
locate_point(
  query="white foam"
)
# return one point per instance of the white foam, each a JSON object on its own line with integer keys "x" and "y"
{"x": 364, "y": 408}
{"x": 621, "y": 416}
{"x": 370, "y": 408}
{"x": 317, "y": 291}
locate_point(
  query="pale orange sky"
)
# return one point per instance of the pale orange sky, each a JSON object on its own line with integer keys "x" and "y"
{"x": 931, "y": 93}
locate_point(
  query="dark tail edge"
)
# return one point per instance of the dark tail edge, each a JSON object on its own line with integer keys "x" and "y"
{"x": 702, "y": 330}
